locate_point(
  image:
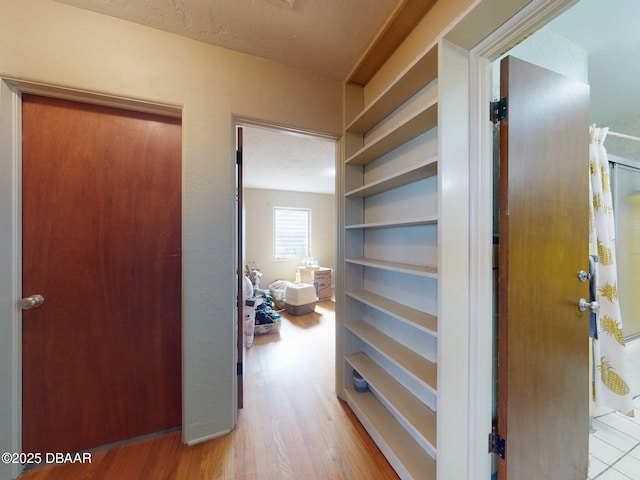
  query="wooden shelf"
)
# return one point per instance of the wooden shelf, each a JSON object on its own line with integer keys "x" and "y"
{"x": 422, "y": 271}
{"x": 407, "y": 222}
{"x": 416, "y": 365}
{"x": 400, "y": 24}
{"x": 410, "y": 128}
{"x": 420, "y": 171}
{"x": 403, "y": 452}
{"x": 417, "y": 416}
{"x": 416, "y": 318}
{"x": 413, "y": 79}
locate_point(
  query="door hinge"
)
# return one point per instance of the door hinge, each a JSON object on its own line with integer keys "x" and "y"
{"x": 498, "y": 110}
{"x": 238, "y": 157}
{"x": 497, "y": 445}
{"x": 239, "y": 368}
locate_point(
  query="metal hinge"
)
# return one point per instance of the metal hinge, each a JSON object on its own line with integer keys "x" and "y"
{"x": 238, "y": 157}
{"x": 498, "y": 110}
{"x": 497, "y": 445}
{"x": 239, "y": 368}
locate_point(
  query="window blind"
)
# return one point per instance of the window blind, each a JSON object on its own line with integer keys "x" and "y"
{"x": 291, "y": 232}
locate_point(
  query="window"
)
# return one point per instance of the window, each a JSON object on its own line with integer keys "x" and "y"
{"x": 291, "y": 232}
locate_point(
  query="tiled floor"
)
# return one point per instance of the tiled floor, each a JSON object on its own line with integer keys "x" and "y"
{"x": 614, "y": 444}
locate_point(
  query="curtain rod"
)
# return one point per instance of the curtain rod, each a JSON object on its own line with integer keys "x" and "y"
{"x": 622, "y": 135}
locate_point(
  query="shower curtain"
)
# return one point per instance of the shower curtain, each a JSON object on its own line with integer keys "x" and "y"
{"x": 610, "y": 361}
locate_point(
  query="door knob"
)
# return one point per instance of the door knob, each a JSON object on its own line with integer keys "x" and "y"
{"x": 583, "y": 276}
{"x": 33, "y": 301}
{"x": 584, "y": 305}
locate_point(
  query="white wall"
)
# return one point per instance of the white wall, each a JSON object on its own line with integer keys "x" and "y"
{"x": 624, "y": 148}
{"x": 549, "y": 50}
{"x": 259, "y": 205}
{"x": 44, "y": 41}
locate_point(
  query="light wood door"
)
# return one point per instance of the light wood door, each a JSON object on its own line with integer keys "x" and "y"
{"x": 543, "y": 408}
{"x": 102, "y": 243}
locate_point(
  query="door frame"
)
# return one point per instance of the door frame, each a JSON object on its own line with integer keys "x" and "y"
{"x": 240, "y": 122}
{"x": 11, "y": 239}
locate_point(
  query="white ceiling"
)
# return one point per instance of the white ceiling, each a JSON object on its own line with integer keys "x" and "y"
{"x": 279, "y": 160}
{"x": 609, "y": 31}
{"x": 324, "y": 36}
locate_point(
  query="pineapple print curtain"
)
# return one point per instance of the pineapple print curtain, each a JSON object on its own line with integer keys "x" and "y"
{"x": 611, "y": 388}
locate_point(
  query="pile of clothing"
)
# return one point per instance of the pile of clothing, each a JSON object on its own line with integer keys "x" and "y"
{"x": 265, "y": 313}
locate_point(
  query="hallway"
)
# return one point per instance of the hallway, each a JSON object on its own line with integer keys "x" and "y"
{"x": 292, "y": 426}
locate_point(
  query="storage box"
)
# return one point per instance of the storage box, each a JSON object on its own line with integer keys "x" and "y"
{"x": 322, "y": 282}
{"x": 319, "y": 277}
{"x": 268, "y": 328}
{"x": 305, "y": 274}
{"x": 300, "y": 299}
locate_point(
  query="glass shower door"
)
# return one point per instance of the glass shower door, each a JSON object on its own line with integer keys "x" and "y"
{"x": 626, "y": 204}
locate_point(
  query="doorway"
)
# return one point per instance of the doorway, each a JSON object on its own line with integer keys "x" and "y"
{"x": 288, "y": 170}
{"x": 285, "y": 170}
{"x": 562, "y": 46}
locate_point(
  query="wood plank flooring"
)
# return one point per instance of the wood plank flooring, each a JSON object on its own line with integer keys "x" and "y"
{"x": 292, "y": 426}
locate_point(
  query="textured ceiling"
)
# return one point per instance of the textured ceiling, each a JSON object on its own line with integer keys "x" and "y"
{"x": 279, "y": 160}
{"x": 324, "y": 36}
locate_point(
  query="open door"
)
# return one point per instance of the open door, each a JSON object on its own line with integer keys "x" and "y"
{"x": 240, "y": 260}
{"x": 543, "y": 404}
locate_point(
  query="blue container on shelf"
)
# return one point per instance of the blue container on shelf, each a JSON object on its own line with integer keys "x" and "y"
{"x": 359, "y": 383}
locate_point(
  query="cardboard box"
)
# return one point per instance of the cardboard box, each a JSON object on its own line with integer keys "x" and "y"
{"x": 322, "y": 282}
{"x": 305, "y": 273}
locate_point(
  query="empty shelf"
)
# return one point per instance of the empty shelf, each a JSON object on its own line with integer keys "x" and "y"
{"x": 419, "y": 319}
{"x": 422, "y": 271}
{"x": 403, "y": 452}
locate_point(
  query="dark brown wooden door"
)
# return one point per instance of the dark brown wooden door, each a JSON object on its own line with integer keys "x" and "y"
{"x": 543, "y": 410}
{"x": 102, "y": 243}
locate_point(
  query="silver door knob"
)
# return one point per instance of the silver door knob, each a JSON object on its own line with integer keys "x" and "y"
{"x": 584, "y": 305}
{"x": 33, "y": 301}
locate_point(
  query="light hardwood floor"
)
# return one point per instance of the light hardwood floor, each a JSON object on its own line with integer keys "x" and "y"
{"x": 292, "y": 427}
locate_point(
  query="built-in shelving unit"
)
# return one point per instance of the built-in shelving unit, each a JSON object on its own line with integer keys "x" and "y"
{"x": 404, "y": 253}
{"x": 392, "y": 343}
